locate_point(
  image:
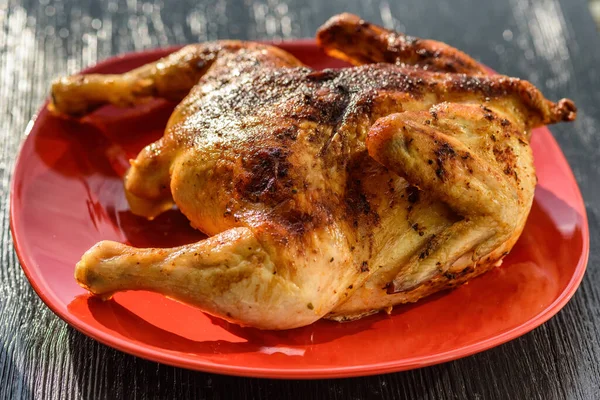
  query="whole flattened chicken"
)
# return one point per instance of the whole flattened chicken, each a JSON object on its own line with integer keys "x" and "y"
{"x": 334, "y": 193}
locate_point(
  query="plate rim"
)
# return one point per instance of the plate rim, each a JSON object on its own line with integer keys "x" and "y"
{"x": 156, "y": 355}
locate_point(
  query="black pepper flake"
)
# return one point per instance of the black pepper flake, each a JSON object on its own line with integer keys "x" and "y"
{"x": 310, "y": 306}
{"x": 413, "y": 194}
{"x": 449, "y": 275}
{"x": 364, "y": 267}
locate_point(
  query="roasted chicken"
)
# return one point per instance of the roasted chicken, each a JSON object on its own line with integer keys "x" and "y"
{"x": 334, "y": 193}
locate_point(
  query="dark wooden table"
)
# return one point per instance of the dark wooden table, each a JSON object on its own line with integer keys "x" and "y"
{"x": 553, "y": 43}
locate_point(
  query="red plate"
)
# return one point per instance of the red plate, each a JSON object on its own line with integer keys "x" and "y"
{"x": 67, "y": 195}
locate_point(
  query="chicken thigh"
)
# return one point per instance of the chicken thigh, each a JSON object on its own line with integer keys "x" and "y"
{"x": 333, "y": 193}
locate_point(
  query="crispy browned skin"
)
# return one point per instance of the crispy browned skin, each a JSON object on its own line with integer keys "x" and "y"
{"x": 171, "y": 78}
{"x": 348, "y": 37}
{"x": 332, "y": 193}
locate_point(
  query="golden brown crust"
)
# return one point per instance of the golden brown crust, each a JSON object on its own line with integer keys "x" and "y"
{"x": 171, "y": 77}
{"x": 348, "y": 37}
{"x": 448, "y": 281}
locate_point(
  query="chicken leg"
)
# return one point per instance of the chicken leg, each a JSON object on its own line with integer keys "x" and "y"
{"x": 169, "y": 78}
{"x": 228, "y": 275}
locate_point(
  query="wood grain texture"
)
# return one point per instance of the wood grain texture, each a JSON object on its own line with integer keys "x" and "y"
{"x": 552, "y": 43}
